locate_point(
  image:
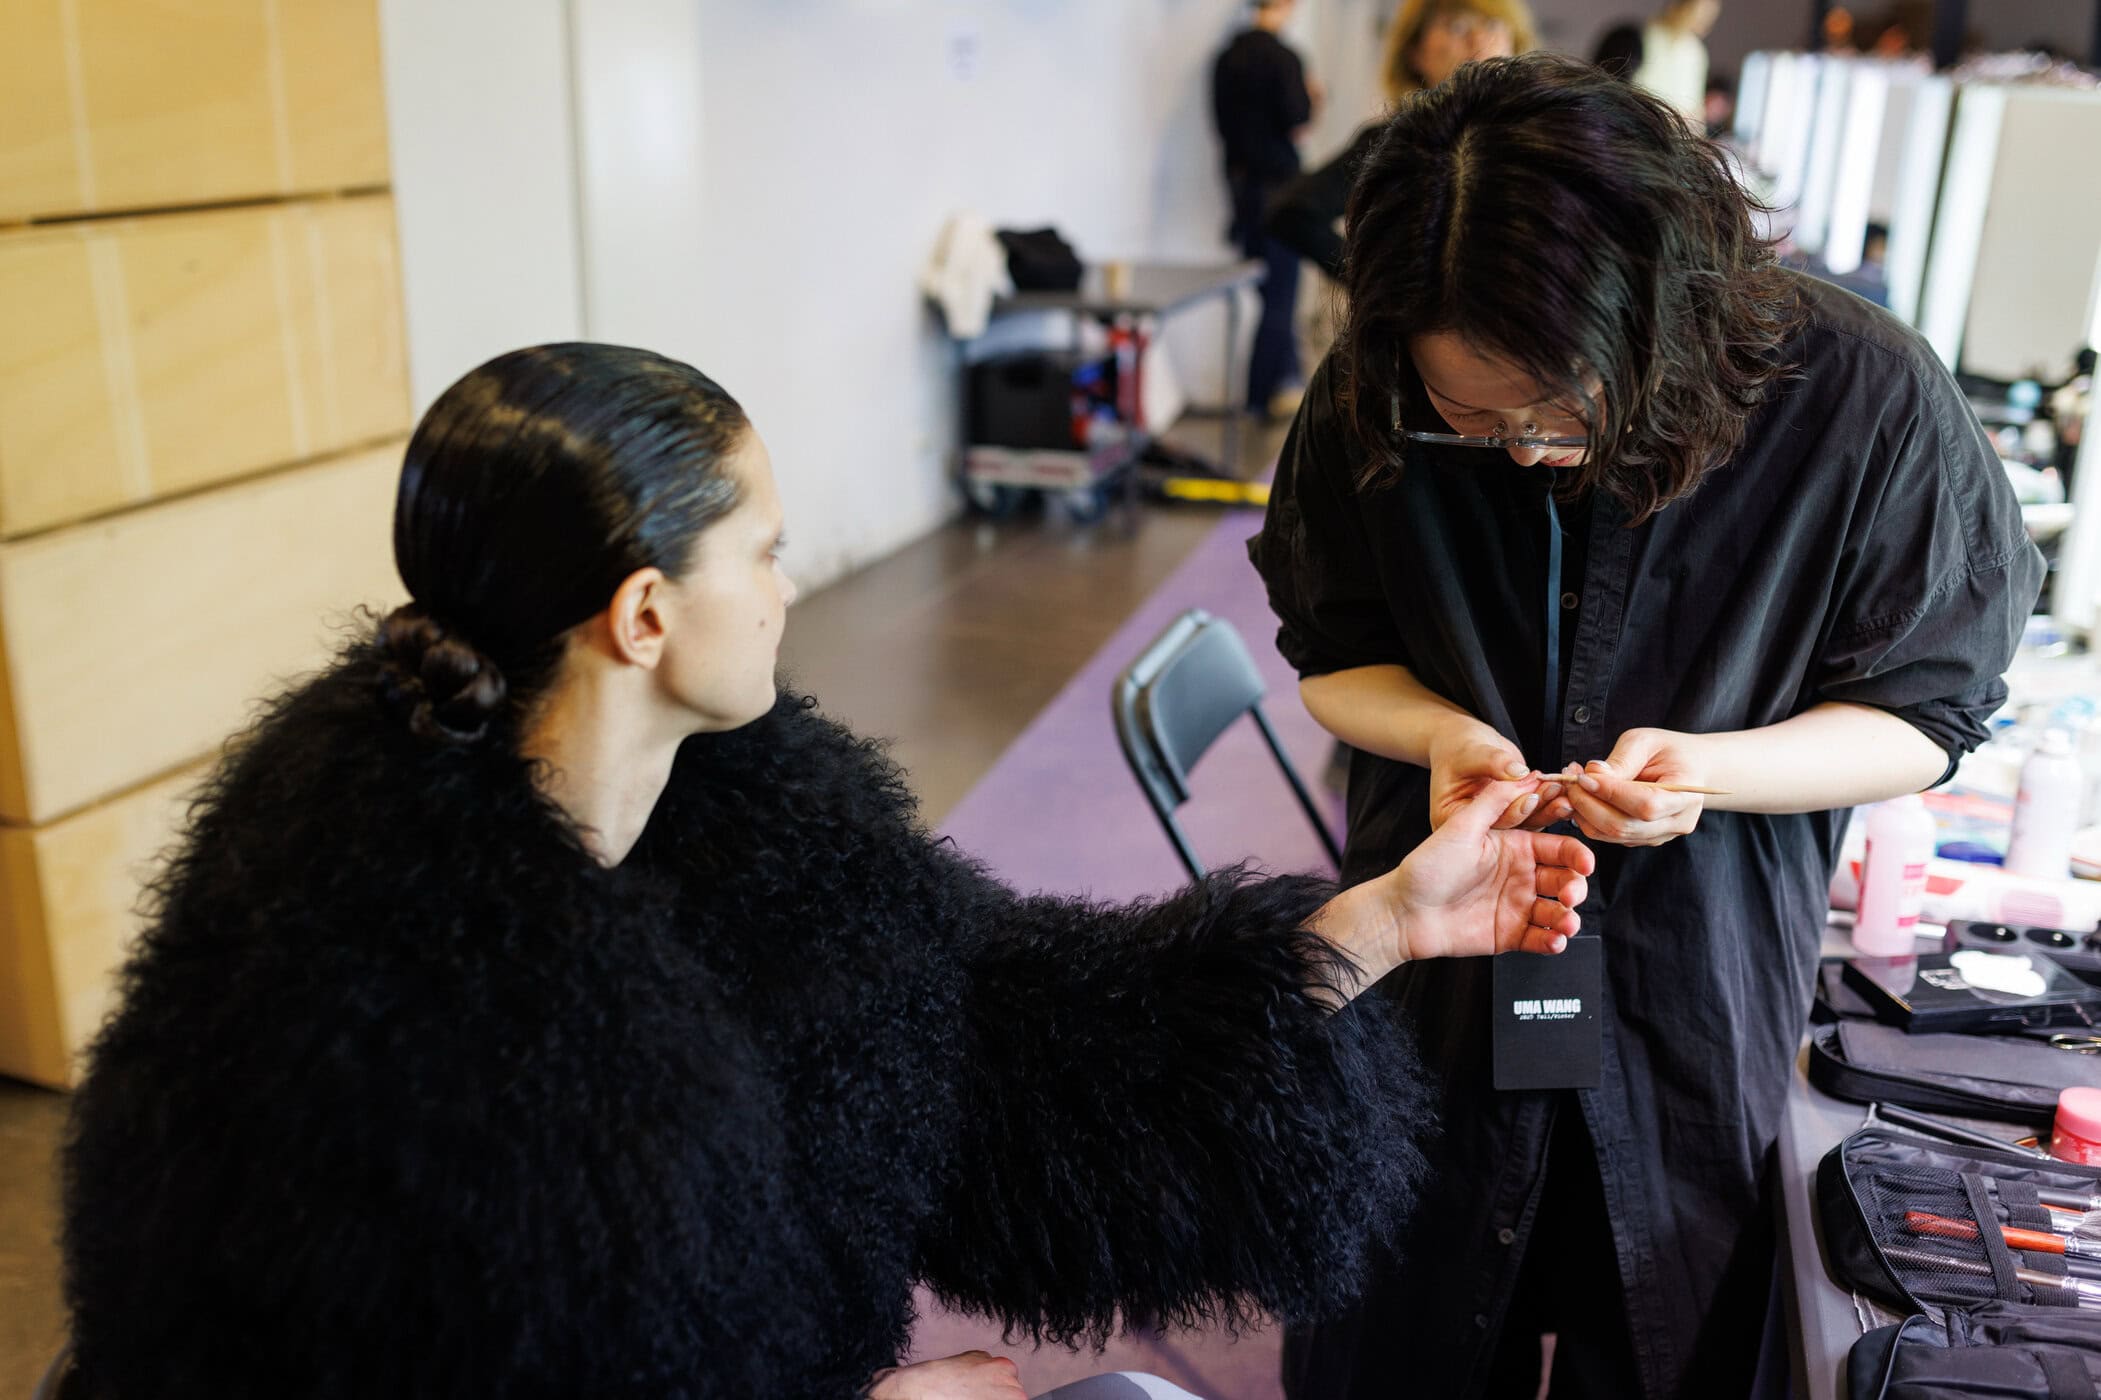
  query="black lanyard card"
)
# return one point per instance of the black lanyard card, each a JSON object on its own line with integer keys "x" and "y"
{"x": 1547, "y": 1032}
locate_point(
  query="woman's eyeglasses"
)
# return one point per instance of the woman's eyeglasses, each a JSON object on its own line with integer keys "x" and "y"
{"x": 1528, "y": 438}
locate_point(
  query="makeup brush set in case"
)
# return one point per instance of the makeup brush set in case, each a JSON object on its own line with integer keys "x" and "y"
{"x": 1996, "y": 1253}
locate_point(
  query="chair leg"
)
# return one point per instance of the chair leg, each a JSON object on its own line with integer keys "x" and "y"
{"x": 1298, "y": 786}
{"x": 1175, "y": 835}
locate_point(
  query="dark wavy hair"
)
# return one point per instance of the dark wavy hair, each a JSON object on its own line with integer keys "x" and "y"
{"x": 1573, "y": 226}
{"x": 531, "y": 488}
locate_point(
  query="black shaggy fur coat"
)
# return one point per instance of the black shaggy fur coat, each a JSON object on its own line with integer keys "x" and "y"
{"x": 408, "y": 1096}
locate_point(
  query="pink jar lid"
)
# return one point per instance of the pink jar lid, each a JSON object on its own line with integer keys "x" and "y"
{"x": 2079, "y": 1113}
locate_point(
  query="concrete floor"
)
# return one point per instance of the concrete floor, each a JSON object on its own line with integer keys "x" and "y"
{"x": 949, "y": 647}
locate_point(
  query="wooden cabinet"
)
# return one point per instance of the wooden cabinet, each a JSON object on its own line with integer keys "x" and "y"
{"x": 71, "y": 901}
{"x": 148, "y": 357}
{"x": 115, "y": 105}
{"x": 135, "y": 645}
{"x": 203, "y": 400}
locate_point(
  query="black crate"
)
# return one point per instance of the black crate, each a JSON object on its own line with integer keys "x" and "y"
{"x": 1023, "y": 400}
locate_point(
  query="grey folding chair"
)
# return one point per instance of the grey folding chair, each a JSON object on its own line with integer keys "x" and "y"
{"x": 1171, "y": 704}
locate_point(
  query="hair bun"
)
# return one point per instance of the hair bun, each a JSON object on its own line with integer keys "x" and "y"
{"x": 443, "y": 687}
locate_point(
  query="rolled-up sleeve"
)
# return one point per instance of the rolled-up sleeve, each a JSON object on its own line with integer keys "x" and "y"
{"x": 1314, "y": 554}
{"x": 1940, "y": 583}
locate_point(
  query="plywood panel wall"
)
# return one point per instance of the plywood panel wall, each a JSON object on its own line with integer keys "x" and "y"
{"x": 112, "y": 105}
{"x": 147, "y": 357}
{"x": 71, "y": 899}
{"x": 136, "y": 644}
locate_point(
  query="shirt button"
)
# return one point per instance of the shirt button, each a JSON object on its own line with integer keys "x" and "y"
{"x": 1582, "y": 714}
{"x": 1569, "y": 600}
{"x": 1506, "y": 1235}
{"x": 1481, "y": 1320}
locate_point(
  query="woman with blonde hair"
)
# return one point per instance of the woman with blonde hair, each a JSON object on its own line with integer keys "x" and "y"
{"x": 1429, "y": 39}
{"x": 1425, "y": 44}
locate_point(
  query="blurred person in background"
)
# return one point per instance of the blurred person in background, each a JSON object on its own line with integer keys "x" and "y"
{"x": 1619, "y": 51}
{"x": 1721, "y": 107}
{"x": 1674, "y": 56}
{"x": 1425, "y": 44}
{"x": 1262, "y": 101}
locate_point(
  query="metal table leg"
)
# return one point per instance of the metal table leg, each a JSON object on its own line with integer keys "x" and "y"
{"x": 1229, "y": 447}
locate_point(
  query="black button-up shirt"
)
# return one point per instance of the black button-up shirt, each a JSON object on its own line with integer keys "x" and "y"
{"x": 1864, "y": 546}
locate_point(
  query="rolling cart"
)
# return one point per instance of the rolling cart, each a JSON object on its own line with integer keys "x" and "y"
{"x": 1129, "y": 300}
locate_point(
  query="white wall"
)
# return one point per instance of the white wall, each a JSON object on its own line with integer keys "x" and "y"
{"x": 478, "y": 117}
{"x": 762, "y": 182}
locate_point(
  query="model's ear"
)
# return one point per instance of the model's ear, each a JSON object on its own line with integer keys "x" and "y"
{"x": 639, "y": 618}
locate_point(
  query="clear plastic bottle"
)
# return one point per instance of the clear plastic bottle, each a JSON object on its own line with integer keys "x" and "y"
{"x": 1893, "y": 878}
{"x": 2046, "y": 812}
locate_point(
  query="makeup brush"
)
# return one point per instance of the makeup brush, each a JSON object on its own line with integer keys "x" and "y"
{"x": 1922, "y": 1222}
{"x": 2081, "y": 1293}
{"x": 1955, "y": 1132}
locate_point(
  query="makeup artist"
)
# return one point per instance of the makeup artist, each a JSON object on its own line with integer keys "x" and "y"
{"x": 1588, "y": 479}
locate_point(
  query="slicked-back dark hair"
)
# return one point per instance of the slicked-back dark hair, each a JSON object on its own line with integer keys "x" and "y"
{"x": 1575, "y": 227}
{"x": 531, "y": 488}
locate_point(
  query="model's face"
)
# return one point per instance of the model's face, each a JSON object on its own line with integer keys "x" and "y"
{"x": 722, "y": 643}
{"x": 1482, "y": 395}
{"x": 1448, "y": 40}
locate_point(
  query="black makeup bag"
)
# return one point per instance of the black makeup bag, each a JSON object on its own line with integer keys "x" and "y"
{"x": 1968, "y": 1238}
{"x": 2011, "y": 1079}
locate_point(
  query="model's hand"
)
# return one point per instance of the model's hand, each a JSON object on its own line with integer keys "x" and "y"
{"x": 1467, "y": 757}
{"x": 1614, "y": 800}
{"x": 974, "y": 1375}
{"x": 1473, "y": 889}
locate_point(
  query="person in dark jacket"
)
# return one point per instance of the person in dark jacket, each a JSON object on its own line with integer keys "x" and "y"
{"x": 1619, "y": 51}
{"x": 1425, "y": 44}
{"x": 545, "y": 1004}
{"x": 1261, "y": 100}
{"x": 1591, "y": 485}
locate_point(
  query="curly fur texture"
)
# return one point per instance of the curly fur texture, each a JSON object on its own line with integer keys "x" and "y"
{"x": 409, "y": 1097}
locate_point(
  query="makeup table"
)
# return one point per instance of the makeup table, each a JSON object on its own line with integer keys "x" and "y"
{"x": 1825, "y": 1317}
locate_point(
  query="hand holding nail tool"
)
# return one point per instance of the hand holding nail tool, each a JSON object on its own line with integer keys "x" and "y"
{"x": 2082, "y": 1293}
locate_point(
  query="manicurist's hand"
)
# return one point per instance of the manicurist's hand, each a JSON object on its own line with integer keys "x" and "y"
{"x": 973, "y": 1375}
{"x": 1467, "y": 757}
{"x": 1615, "y": 798}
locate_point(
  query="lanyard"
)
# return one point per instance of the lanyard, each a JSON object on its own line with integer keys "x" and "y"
{"x": 1550, "y": 725}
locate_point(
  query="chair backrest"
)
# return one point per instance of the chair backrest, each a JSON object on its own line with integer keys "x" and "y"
{"x": 1184, "y": 691}
{"x": 1170, "y": 705}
